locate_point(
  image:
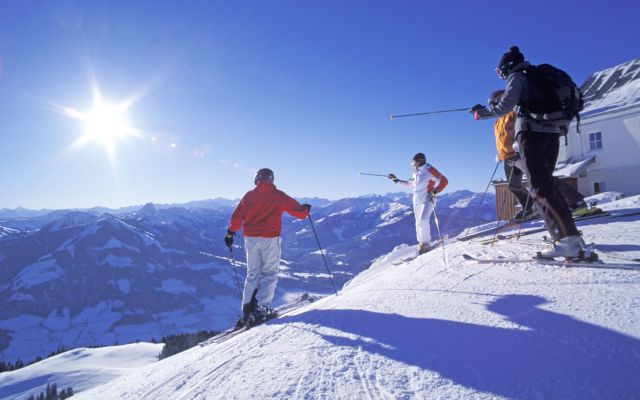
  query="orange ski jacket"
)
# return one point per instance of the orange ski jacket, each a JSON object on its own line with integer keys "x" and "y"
{"x": 504, "y": 130}
{"x": 260, "y": 211}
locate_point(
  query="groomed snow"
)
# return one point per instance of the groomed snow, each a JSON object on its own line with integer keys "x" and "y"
{"x": 80, "y": 369}
{"x": 427, "y": 331}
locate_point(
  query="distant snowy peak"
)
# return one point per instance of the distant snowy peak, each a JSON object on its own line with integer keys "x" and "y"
{"x": 465, "y": 201}
{"x": 148, "y": 210}
{"x": 70, "y": 220}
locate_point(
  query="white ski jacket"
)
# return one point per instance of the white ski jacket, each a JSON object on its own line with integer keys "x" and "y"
{"x": 425, "y": 180}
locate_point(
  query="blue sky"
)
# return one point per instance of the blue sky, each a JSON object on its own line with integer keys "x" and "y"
{"x": 305, "y": 88}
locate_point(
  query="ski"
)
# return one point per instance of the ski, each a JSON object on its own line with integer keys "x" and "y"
{"x": 231, "y": 332}
{"x": 576, "y": 264}
{"x": 407, "y": 259}
{"x": 414, "y": 256}
{"x": 501, "y": 227}
{"x": 238, "y": 329}
{"x": 530, "y": 231}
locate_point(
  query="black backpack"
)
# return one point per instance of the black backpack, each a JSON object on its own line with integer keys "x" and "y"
{"x": 551, "y": 96}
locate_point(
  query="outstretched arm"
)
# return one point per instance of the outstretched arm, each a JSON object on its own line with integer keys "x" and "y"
{"x": 294, "y": 208}
{"x": 400, "y": 182}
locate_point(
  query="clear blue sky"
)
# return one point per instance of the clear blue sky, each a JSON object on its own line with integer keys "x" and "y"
{"x": 302, "y": 87}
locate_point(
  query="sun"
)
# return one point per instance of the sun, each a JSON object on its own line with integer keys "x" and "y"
{"x": 104, "y": 123}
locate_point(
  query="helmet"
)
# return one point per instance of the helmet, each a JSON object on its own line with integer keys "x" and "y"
{"x": 496, "y": 96}
{"x": 263, "y": 175}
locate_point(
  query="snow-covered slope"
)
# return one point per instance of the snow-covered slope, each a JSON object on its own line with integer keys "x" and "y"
{"x": 430, "y": 329}
{"x": 79, "y": 369}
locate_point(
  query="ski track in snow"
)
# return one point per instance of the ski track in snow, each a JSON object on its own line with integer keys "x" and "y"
{"x": 422, "y": 330}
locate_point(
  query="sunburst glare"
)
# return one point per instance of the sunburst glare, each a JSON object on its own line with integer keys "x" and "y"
{"x": 104, "y": 123}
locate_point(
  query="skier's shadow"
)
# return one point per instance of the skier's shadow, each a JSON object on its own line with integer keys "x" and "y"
{"x": 547, "y": 355}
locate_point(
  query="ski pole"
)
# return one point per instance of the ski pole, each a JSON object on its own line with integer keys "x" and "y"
{"x": 482, "y": 199}
{"x": 435, "y": 217}
{"x": 322, "y": 253}
{"x": 428, "y": 112}
{"x": 366, "y": 173}
{"x": 233, "y": 266}
{"x": 526, "y": 205}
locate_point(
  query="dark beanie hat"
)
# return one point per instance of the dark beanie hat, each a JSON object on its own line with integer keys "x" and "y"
{"x": 419, "y": 157}
{"x": 510, "y": 59}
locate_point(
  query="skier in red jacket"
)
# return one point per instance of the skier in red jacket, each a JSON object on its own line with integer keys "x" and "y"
{"x": 260, "y": 214}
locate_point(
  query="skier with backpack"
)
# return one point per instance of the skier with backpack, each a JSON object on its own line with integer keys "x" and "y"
{"x": 513, "y": 169}
{"x": 259, "y": 213}
{"x": 426, "y": 182}
{"x": 545, "y": 101}
{"x": 504, "y": 130}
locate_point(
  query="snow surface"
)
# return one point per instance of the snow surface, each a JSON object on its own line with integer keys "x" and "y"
{"x": 80, "y": 369}
{"x": 574, "y": 168}
{"x": 423, "y": 330}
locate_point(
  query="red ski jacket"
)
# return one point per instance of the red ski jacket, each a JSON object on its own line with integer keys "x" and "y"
{"x": 260, "y": 211}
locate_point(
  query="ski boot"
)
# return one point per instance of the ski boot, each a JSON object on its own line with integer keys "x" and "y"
{"x": 572, "y": 248}
{"x": 261, "y": 314}
{"x": 423, "y": 248}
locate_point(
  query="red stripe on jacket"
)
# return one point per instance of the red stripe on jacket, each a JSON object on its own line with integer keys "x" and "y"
{"x": 260, "y": 211}
{"x": 442, "y": 180}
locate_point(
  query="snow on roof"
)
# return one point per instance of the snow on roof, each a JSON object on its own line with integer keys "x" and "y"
{"x": 572, "y": 168}
{"x": 612, "y": 89}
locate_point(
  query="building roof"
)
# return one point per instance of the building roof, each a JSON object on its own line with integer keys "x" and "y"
{"x": 573, "y": 167}
{"x": 612, "y": 89}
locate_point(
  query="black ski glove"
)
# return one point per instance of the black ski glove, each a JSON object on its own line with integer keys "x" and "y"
{"x": 228, "y": 238}
{"x": 393, "y": 178}
{"x": 475, "y": 108}
{"x": 307, "y": 206}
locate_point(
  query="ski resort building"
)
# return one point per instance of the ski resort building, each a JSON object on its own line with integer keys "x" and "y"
{"x": 605, "y": 154}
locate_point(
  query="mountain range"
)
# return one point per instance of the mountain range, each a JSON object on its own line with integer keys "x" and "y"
{"x": 71, "y": 278}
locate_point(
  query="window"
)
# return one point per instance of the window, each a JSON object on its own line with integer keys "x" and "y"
{"x": 599, "y": 187}
{"x": 595, "y": 141}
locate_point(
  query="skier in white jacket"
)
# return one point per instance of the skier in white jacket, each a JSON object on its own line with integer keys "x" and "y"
{"x": 426, "y": 183}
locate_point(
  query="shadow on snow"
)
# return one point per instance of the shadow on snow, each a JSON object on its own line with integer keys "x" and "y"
{"x": 550, "y": 355}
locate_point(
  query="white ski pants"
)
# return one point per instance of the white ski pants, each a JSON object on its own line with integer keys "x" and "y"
{"x": 263, "y": 265}
{"x": 422, "y": 209}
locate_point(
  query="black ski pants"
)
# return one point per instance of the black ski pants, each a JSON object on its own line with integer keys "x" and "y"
{"x": 514, "y": 182}
{"x": 539, "y": 152}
